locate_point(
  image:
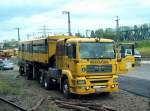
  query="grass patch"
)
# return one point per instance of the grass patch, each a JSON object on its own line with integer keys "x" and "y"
{"x": 143, "y": 44}
{"x": 8, "y": 87}
{"x": 145, "y": 51}
{"x": 144, "y": 48}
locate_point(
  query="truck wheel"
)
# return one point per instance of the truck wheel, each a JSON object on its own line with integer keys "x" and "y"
{"x": 21, "y": 72}
{"x": 47, "y": 84}
{"x": 27, "y": 76}
{"x": 28, "y": 73}
{"x": 41, "y": 80}
{"x": 39, "y": 76}
{"x": 66, "y": 92}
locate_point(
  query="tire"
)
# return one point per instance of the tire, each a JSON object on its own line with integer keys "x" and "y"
{"x": 34, "y": 72}
{"x": 28, "y": 74}
{"x": 38, "y": 76}
{"x": 41, "y": 79}
{"x": 66, "y": 92}
{"x": 21, "y": 71}
{"x": 47, "y": 84}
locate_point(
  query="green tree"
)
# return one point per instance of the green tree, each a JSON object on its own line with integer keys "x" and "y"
{"x": 99, "y": 33}
{"x": 79, "y": 34}
{"x": 92, "y": 34}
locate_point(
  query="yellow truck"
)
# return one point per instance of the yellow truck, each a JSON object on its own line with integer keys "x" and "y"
{"x": 77, "y": 65}
{"x": 8, "y": 53}
{"x": 127, "y": 50}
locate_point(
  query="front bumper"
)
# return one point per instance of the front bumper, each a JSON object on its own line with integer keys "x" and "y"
{"x": 95, "y": 86}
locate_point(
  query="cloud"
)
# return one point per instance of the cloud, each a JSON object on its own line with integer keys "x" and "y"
{"x": 26, "y": 8}
{"x": 31, "y": 15}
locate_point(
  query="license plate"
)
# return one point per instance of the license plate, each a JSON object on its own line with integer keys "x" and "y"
{"x": 99, "y": 88}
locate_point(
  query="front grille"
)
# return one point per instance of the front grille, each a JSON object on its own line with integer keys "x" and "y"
{"x": 99, "y": 68}
{"x": 99, "y": 81}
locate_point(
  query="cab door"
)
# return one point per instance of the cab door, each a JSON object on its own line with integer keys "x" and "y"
{"x": 60, "y": 55}
{"x": 70, "y": 50}
{"x": 125, "y": 59}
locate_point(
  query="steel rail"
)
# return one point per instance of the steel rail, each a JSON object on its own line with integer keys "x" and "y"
{"x": 12, "y": 104}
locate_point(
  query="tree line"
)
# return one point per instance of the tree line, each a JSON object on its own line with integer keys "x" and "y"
{"x": 132, "y": 33}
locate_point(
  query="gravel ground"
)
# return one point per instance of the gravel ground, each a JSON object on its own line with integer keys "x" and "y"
{"x": 28, "y": 93}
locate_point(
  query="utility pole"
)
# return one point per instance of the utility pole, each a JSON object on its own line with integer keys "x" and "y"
{"x": 69, "y": 23}
{"x": 18, "y": 31}
{"x": 44, "y": 31}
{"x": 117, "y": 27}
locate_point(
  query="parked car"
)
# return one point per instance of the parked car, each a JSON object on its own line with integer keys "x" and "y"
{"x": 6, "y": 65}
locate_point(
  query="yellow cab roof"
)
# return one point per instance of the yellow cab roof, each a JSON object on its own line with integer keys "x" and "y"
{"x": 61, "y": 37}
{"x": 69, "y": 39}
{"x": 89, "y": 40}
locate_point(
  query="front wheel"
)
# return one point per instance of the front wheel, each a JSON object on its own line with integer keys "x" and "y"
{"x": 66, "y": 91}
{"x": 41, "y": 80}
{"x": 21, "y": 71}
{"x": 48, "y": 83}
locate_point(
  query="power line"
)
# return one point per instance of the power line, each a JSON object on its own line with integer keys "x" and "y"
{"x": 45, "y": 30}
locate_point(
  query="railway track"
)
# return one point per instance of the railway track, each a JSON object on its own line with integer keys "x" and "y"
{"x": 12, "y": 104}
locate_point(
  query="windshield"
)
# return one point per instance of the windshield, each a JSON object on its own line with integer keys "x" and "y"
{"x": 94, "y": 50}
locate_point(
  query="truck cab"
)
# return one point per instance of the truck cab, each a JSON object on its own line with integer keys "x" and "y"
{"x": 88, "y": 65}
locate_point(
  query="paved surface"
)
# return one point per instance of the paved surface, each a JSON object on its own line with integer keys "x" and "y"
{"x": 145, "y": 62}
{"x": 137, "y": 81}
{"x": 141, "y": 72}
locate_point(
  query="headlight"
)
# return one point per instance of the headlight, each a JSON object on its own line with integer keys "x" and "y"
{"x": 81, "y": 82}
{"x": 113, "y": 86}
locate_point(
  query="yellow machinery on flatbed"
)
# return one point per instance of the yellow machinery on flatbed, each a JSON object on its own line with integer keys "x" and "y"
{"x": 7, "y": 53}
{"x": 78, "y": 65}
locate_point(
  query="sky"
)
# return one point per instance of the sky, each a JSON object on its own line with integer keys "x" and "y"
{"x": 31, "y": 15}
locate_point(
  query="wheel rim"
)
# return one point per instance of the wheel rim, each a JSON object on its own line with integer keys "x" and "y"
{"x": 41, "y": 79}
{"x": 45, "y": 84}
